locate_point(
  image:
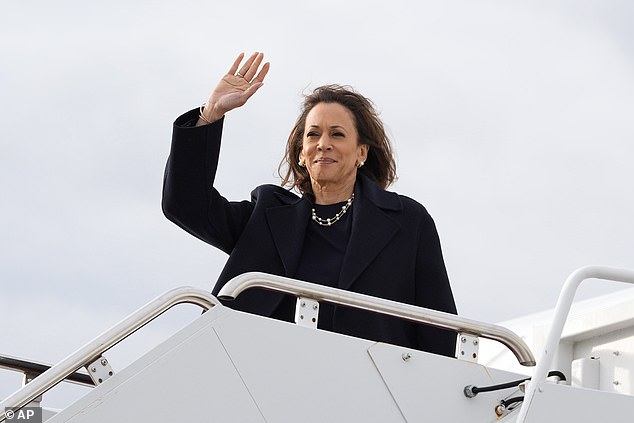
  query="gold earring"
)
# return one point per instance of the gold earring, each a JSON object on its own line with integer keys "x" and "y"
{"x": 301, "y": 163}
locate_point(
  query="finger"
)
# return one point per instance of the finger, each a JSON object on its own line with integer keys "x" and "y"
{"x": 262, "y": 73}
{"x": 236, "y": 63}
{"x": 254, "y": 67}
{"x": 245, "y": 68}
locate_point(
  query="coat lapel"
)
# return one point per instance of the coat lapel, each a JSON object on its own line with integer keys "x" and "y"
{"x": 288, "y": 226}
{"x": 372, "y": 229}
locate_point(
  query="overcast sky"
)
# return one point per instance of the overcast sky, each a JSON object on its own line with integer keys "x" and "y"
{"x": 512, "y": 123}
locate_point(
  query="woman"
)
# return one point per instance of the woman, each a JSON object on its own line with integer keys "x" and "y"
{"x": 344, "y": 231}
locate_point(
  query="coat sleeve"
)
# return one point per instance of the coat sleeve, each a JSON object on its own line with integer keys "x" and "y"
{"x": 433, "y": 290}
{"x": 189, "y": 197}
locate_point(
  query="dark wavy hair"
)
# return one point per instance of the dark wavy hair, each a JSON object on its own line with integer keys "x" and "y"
{"x": 380, "y": 165}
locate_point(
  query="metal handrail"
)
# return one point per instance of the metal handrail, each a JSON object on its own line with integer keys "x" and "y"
{"x": 32, "y": 369}
{"x": 561, "y": 314}
{"x": 93, "y": 349}
{"x": 240, "y": 283}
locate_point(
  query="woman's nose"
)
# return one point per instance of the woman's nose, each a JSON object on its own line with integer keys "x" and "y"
{"x": 324, "y": 144}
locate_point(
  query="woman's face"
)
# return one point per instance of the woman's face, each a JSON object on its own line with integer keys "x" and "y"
{"x": 330, "y": 147}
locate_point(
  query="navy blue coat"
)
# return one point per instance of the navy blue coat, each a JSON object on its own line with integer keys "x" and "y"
{"x": 393, "y": 252}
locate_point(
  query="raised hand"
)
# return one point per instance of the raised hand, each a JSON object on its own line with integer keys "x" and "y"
{"x": 235, "y": 88}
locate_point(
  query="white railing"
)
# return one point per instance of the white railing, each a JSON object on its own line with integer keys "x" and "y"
{"x": 93, "y": 349}
{"x": 561, "y": 314}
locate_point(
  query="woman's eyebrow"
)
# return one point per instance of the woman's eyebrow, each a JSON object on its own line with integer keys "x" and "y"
{"x": 335, "y": 126}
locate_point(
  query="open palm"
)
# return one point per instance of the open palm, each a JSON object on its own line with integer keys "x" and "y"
{"x": 236, "y": 87}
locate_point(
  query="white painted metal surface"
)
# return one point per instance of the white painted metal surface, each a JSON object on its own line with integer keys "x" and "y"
{"x": 554, "y": 403}
{"x": 233, "y": 366}
{"x": 561, "y": 313}
{"x": 467, "y": 347}
{"x": 585, "y": 373}
{"x": 307, "y": 312}
{"x": 97, "y": 346}
{"x": 600, "y": 327}
{"x": 428, "y": 388}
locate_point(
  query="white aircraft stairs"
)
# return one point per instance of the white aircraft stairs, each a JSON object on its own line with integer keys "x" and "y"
{"x": 229, "y": 366}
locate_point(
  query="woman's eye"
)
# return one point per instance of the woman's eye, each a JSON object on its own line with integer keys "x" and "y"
{"x": 312, "y": 134}
{"x": 338, "y": 134}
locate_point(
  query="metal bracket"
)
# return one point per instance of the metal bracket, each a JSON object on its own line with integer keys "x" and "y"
{"x": 467, "y": 347}
{"x": 28, "y": 377}
{"x": 100, "y": 370}
{"x": 307, "y": 312}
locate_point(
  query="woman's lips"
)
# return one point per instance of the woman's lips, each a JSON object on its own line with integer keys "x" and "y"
{"x": 325, "y": 160}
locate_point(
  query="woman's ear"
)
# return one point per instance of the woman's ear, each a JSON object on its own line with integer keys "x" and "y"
{"x": 363, "y": 153}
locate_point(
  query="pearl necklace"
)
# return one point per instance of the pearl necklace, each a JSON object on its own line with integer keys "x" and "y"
{"x": 332, "y": 220}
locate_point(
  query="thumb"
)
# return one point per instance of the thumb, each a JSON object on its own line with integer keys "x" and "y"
{"x": 252, "y": 89}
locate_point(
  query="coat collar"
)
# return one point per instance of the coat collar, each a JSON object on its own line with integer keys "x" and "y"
{"x": 372, "y": 228}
